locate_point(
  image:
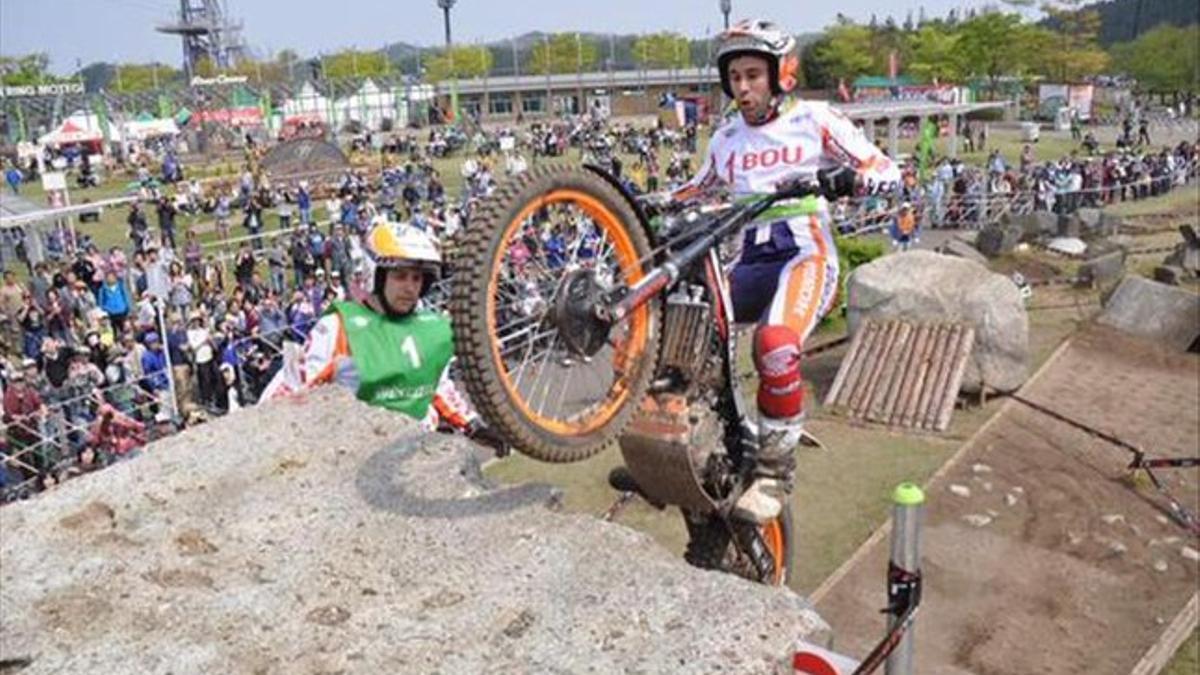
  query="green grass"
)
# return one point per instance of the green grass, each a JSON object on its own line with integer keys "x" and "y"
{"x": 1187, "y": 658}
{"x": 1183, "y": 201}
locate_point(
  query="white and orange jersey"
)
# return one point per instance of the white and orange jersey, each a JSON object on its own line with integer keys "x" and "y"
{"x": 787, "y": 271}
{"x": 327, "y": 359}
{"x": 806, "y": 136}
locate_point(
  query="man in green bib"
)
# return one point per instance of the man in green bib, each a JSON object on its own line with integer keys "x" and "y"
{"x": 389, "y": 350}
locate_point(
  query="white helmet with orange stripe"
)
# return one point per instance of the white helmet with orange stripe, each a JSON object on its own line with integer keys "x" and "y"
{"x": 390, "y": 245}
{"x": 765, "y": 39}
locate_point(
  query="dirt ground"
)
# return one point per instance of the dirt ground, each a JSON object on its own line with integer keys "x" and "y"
{"x": 1044, "y": 558}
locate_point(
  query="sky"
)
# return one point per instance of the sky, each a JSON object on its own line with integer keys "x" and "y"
{"x": 79, "y": 32}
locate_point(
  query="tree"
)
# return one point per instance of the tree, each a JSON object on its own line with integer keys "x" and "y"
{"x": 843, "y": 53}
{"x": 992, "y": 45}
{"x": 288, "y": 61}
{"x": 934, "y": 53}
{"x": 563, "y": 53}
{"x": 97, "y": 76}
{"x": 464, "y": 62}
{"x": 1164, "y": 59}
{"x": 1059, "y": 58}
{"x": 132, "y": 77}
{"x": 18, "y": 71}
{"x": 352, "y": 63}
{"x": 1074, "y": 50}
{"x": 662, "y": 50}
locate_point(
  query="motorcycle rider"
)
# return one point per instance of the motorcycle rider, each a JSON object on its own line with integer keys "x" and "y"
{"x": 390, "y": 350}
{"x": 786, "y": 278}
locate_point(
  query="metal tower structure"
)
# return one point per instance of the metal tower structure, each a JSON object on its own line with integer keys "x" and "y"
{"x": 207, "y": 33}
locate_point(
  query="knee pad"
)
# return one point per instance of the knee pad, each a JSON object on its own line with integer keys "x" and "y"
{"x": 777, "y": 360}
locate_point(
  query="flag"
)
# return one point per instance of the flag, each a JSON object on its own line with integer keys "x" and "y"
{"x": 928, "y": 138}
{"x": 843, "y": 92}
{"x": 165, "y": 106}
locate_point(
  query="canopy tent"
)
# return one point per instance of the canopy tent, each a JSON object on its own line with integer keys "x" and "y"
{"x": 367, "y": 106}
{"x": 77, "y": 129}
{"x": 141, "y": 129}
{"x": 308, "y": 102}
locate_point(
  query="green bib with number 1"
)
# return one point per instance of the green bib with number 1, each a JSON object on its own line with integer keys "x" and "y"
{"x": 399, "y": 360}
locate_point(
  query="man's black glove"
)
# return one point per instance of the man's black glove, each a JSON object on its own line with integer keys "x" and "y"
{"x": 836, "y": 183}
{"x": 481, "y": 433}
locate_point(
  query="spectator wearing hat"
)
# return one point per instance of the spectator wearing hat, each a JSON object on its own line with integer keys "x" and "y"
{"x": 202, "y": 352}
{"x": 81, "y": 301}
{"x": 229, "y": 398}
{"x": 904, "y": 228}
{"x": 176, "y": 347}
{"x": 154, "y": 370}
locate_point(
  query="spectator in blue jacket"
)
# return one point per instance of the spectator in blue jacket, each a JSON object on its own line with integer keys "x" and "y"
{"x": 154, "y": 365}
{"x": 114, "y": 300}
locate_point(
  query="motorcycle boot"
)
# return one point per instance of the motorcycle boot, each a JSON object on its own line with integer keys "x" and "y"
{"x": 773, "y": 474}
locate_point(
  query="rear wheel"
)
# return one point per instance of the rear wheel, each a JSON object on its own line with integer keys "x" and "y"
{"x": 711, "y": 546}
{"x": 558, "y": 385}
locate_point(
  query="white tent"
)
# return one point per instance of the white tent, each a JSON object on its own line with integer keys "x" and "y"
{"x": 308, "y": 102}
{"x": 80, "y": 127}
{"x": 140, "y": 129}
{"x": 368, "y": 106}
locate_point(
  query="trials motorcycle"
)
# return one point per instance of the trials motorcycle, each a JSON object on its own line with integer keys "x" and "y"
{"x": 580, "y": 321}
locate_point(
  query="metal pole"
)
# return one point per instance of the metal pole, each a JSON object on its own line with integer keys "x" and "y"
{"x": 160, "y": 306}
{"x": 904, "y": 571}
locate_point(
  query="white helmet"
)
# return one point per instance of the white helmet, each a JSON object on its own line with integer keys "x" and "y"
{"x": 391, "y": 245}
{"x": 765, "y": 39}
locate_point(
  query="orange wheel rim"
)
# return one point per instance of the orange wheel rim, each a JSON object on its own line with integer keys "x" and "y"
{"x": 628, "y": 349}
{"x": 772, "y": 534}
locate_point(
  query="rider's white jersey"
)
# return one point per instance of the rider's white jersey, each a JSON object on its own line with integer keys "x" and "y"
{"x": 787, "y": 270}
{"x": 805, "y": 137}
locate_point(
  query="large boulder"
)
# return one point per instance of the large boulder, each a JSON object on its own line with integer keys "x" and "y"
{"x": 1089, "y": 223}
{"x": 342, "y": 539}
{"x": 1186, "y": 255}
{"x": 925, "y": 286}
{"x": 999, "y": 238}
{"x": 961, "y": 248}
{"x": 1038, "y": 225}
{"x": 1156, "y": 311}
{"x": 1105, "y": 265}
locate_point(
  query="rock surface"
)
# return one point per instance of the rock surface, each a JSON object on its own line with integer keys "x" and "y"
{"x": 325, "y": 536}
{"x": 1153, "y": 310}
{"x": 926, "y": 286}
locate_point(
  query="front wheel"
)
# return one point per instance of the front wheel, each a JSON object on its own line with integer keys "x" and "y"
{"x": 539, "y": 252}
{"x": 712, "y": 545}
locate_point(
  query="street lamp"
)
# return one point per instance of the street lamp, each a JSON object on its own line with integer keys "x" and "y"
{"x": 446, "y": 5}
{"x": 726, "y": 7}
